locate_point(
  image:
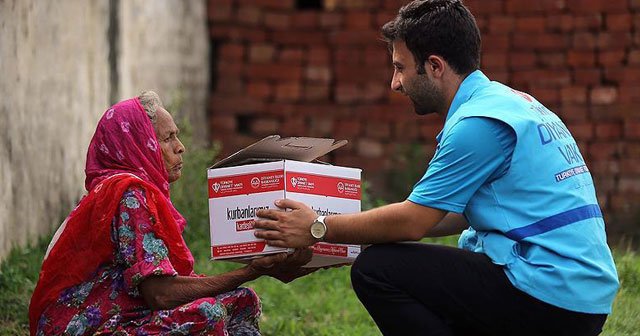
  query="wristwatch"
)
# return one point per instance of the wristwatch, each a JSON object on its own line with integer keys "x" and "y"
{"x": 319, "y": 228}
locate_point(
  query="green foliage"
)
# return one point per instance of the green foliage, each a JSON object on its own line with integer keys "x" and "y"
{"x": 320, "y": 304}
{"x": 368, "y": 200}
{"x": 409, "y": 165}
{"x": 628, "y": 265}
{"x": 18, "y": 277}
{"x": 624, "y": 319}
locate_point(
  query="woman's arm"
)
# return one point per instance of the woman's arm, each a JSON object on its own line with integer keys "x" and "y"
{"x": 167, "y": 292}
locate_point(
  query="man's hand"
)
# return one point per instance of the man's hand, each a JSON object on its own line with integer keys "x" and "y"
{"x": 286, "y": 228}
{"x": 284, "y": 267}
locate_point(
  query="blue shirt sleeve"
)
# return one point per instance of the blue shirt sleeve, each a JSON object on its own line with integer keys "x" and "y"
{"x": 475, "y": 151}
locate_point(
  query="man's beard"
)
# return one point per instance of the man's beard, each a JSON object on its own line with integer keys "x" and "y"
{"x": 425, "y": 96}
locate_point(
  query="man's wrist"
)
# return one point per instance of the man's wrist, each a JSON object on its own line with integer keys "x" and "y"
{"x": 326, "y": 235}
{"x": 324, "y": 239}
{"x": 319, "y": 228}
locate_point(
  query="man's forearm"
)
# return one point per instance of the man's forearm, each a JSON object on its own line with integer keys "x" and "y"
{"x": 403, "y": 221}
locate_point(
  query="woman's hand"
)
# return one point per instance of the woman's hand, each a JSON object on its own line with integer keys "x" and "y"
{"x": 284, "y": 267}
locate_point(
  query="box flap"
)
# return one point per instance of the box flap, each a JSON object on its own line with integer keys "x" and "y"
{"x": 274, "y": 147}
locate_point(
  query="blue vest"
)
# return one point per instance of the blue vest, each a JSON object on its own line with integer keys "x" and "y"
{"x": 541, "y": 220}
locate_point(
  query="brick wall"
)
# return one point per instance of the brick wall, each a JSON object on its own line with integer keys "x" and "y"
{"x": 325, "y": 72}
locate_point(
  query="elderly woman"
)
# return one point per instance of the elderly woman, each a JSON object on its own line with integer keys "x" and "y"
{"x": 118, "y": 264}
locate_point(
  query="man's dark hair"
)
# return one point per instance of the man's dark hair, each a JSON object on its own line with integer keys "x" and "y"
{"x": 444, "y": 28}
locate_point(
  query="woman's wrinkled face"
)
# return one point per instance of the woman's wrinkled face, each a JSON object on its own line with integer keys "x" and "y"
{"x": 172, "y": 148}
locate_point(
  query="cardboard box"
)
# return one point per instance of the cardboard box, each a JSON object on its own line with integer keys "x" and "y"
{"x": 272, "y": 169}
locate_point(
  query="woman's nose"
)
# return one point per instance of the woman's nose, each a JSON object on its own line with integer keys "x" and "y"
{"x": 180, "y": 148}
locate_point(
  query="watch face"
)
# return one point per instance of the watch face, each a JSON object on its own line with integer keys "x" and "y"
{"x": 317, "y": 230}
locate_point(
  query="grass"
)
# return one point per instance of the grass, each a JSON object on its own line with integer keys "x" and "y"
{"x": 321, "y": 304}
{"x": 18, "y": 277}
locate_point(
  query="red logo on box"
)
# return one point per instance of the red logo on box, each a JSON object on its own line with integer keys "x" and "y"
{"x": 324, "y": 185}
{"x": 246, "y": 184}
{"x": 255, "y": 182}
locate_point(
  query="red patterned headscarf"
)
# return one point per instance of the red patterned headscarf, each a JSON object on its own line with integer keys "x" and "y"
{"x": 123, "y": 152}
{"x": 125, "y": 142}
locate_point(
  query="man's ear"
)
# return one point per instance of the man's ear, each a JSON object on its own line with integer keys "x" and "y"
{"x": 436, "y": 65}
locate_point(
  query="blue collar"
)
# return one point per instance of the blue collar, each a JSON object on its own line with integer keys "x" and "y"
{"x": 469, "y": 85}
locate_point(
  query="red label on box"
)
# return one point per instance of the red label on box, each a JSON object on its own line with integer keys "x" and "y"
{"x": 246, "y": 184}
{"x": 329, "y": 249}
{"x": 245, "y": 225}
{"x": 323, "y": 185}
{"x": 237, "y": 249}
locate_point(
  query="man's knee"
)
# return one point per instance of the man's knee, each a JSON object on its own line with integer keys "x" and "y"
{"x": 392, "y": 261}
{"x": 369, "y": 262}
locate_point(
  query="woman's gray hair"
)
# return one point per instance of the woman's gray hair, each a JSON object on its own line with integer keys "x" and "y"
{"x": 151, "y": 102}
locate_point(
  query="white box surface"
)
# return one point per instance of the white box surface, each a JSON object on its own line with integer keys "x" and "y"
{"x": 236, "y": 193}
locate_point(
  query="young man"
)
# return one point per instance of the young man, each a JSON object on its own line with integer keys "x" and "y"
{"x": 533, "y": 259}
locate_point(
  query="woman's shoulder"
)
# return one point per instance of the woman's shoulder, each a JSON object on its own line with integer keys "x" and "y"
{"x": 134, "y": 196}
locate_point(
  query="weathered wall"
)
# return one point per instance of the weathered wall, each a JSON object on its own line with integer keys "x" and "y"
{"x": 62, "y": 64}
{"x": 292, "y": 70}
{"x": 54, "y": 83}
{"x": 164, "y": 46}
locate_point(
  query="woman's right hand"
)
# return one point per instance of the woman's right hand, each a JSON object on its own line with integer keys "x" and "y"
{"x": 284, "y": 267}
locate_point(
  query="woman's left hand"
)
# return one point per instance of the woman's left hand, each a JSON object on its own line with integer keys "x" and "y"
{"x": 284, "y": 267}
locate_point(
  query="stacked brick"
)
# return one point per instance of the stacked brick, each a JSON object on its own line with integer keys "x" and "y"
{"x": 281, "y": 69}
